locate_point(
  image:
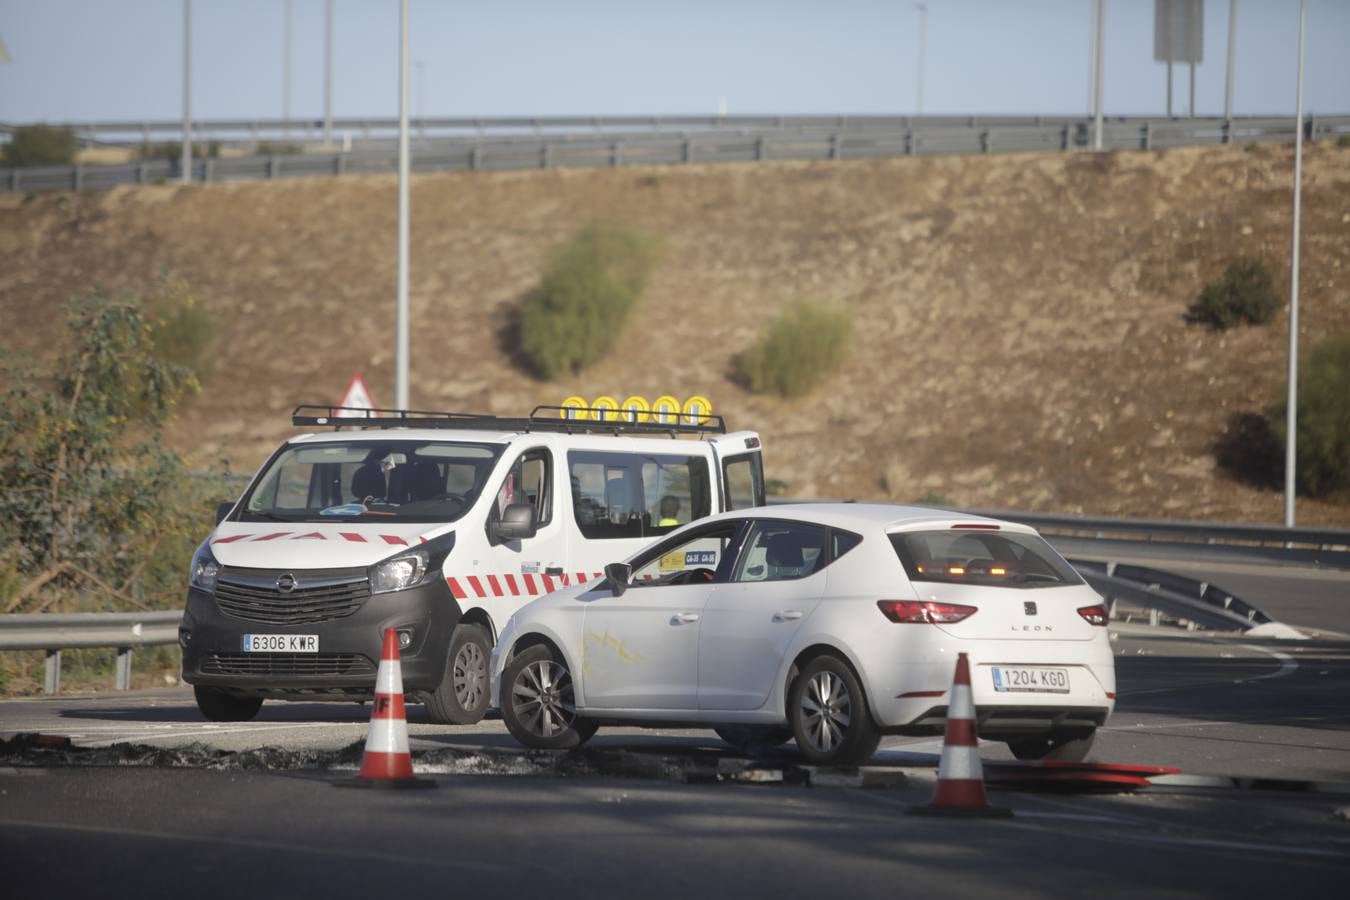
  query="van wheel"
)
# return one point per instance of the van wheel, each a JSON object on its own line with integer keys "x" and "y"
{"x": 1071, "y": 750}
{"x": 754, "y": 740}
{"x": 219, "y": 706}
{"x": 829, "y": 714}
{"x": 462, "y": 696}
{"x": 539, "y": 702}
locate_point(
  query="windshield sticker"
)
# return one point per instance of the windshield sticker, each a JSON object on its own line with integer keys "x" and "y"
{"x": 346, "y": 509}
{"x": 672, "y": 561}
{"x": 700, "y": 558}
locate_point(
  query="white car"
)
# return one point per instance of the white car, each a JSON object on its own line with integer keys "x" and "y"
{"x": 833, "y": 624}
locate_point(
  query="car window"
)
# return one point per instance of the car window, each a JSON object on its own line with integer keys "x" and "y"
{"x": 778, "y": 551}
{"x": 529, "y": 480}
{"x": 744, "y": 480}
{"x": 386, "y": 480}
{"x": 841, "y": 542}
{"x": 701, "y": 555}
{"x": 991, "y": 558}
{"x": 628, "y": 495}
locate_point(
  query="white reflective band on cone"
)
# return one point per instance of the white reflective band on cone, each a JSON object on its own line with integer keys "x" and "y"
{"x": 960, "y": 762}
{"x": 387, "y": 736}
{"x": 389, "y": 678}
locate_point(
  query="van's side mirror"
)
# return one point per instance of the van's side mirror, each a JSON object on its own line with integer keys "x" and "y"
{"x": 516, "y": 523}
{"x": 618, "y": 575}
{"x": 223, "y": 510}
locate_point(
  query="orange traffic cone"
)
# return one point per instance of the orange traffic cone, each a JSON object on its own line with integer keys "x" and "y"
{"x": 387, "y": 761}
{"x": 960, "y": 787}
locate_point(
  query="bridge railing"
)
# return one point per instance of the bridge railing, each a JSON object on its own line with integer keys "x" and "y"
{"x": 755, "y": 139}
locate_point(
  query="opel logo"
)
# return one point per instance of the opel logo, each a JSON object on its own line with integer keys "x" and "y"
{"x": 286, "y": 583}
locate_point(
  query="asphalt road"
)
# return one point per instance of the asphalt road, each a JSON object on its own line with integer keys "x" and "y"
{"x": 154, "y": 833}
{"x": 132, "y": 821}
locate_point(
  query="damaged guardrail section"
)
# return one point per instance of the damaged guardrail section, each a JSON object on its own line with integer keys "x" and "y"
{"x": 54, "y": 632}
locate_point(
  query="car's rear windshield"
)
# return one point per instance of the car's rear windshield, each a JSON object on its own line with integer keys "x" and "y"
{"x": 371, "y": 481}
{"x": 982, "y": 557}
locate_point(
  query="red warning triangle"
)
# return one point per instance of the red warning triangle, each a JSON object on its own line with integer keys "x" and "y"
{"x": 357, "y": 395}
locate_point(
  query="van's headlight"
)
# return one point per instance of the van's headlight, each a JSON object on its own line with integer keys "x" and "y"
{"x": 399, "y": 572}
{"x": 204, "y": 569}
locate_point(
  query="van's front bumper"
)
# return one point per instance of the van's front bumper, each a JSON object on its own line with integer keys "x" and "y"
{"x": 348, "y": 647}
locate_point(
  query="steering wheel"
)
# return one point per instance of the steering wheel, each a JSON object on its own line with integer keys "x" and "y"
{"x": 694, "y": 576}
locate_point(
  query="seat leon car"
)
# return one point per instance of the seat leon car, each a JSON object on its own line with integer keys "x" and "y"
{"x": 831, "y": 624}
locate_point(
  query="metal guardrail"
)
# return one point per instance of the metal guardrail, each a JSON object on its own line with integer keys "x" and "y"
{"x": 1315, "y": 546}
{"x": 54, "y": 632}
{"x": 801, "y": 140}
{"x": 1195, "y": 601}
{"x": 386, "y": 127}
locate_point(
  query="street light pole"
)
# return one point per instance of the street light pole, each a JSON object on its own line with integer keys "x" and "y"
{"x": 186, "y": 157}
{"x": 401, "y": 316}
{"x": 1232, "y": 52}
{"x": 327, "y": 72}
{"x": 923, "y": 48}
{"x": 1291, "y": 402}
{"x": 1097, "y": 80}
{"x": 286, "y": 76}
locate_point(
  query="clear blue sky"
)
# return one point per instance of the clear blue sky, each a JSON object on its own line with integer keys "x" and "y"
{"x": 121, "y": 59}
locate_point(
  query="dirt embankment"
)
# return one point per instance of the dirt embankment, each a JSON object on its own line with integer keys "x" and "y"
{"x": 1021, "y": 340}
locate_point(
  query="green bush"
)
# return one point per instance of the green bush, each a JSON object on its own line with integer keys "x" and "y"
{"x": 277, "y": 148}
{"x": 94, "y": 510}
{"x": 589, "y": 289}
{"x": 181, "y": 329}
{"x": 1322, "y": 453}
{"x": 40, "y": 145}
{"x": 173, "y": 150}
{"x": 797, "y": 350}
{"x": 1246, "y": 293}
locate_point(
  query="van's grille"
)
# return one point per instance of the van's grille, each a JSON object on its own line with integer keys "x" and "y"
{"x": 287, "y": 664}
{"x": 318, "y": 595}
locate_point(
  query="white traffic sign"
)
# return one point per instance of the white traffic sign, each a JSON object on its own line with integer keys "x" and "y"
{"x": 357, "y": 395}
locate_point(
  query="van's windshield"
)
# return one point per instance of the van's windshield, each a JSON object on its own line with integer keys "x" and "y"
{"x": 398, "y": 480}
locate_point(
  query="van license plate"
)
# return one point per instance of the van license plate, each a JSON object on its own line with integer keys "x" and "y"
{"x": 281, "y": 643}
{"x": 1033, "y": 679}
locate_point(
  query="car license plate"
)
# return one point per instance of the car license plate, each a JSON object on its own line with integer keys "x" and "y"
{"x": 1033, "y": 679}
{"x": 281, "y": 643}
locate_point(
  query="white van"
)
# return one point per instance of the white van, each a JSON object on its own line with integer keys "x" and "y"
{"x": 439, "y": 525}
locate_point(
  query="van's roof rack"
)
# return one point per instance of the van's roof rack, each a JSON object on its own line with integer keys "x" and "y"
{"x": 541, "y": 418}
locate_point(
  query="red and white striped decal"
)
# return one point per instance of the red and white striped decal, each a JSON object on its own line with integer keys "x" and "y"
{"x": 506, "y": 584}
{"x": 352, "y": 536}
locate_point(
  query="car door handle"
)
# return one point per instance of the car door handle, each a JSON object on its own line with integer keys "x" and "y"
{"x": 787, "y": 615}
{"x": 553, "y": 571}
{"x": 683, "y": 618}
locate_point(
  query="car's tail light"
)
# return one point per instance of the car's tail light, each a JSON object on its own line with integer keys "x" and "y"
{"x": 1095, "y": 615}
{"x": 924, "y": 612}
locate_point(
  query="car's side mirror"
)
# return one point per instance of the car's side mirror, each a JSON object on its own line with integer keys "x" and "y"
{"x": 223, "y": 510}
{"x": 516, "y": 523}
{"x": 618, "y": 575}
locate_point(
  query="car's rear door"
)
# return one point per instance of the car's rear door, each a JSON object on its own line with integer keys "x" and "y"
{"x": 749, "y": 621}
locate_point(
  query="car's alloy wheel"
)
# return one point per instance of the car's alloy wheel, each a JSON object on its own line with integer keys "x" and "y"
{"x": 829, "y": 714}
{"x": 469, "y": 671}
{"x": 827, "y": 710}
{"x": 462, "y": 696}
{"x": 539, "y": 701}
